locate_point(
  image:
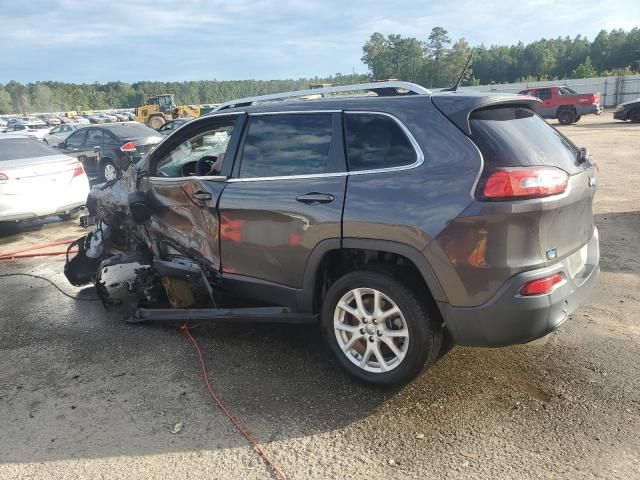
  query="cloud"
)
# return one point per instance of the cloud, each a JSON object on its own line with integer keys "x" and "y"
{"x": 99, "y": 40}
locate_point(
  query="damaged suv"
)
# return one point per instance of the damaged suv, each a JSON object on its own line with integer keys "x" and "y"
{"x": 396, "y": 219}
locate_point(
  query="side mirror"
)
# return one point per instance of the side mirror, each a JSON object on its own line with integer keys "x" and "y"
{"x": 139, "y": 207}
{"x": 61, "y": 145}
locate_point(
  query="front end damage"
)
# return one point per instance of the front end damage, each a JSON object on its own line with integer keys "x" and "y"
{"x": 136, "y": 260}
{"x": 123, "y": 260}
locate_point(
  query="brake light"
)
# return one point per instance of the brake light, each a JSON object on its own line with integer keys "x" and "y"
{"x": 541, "y": 285}
{"x": 3, "y": 177}
{"x": 128, "y": 147}
{"x": 78, "y": 170}
{"x": 530, "y": 182}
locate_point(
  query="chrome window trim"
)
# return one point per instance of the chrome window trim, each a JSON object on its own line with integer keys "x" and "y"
{"x": 184, "y": 179}
{"x": 416, "y": 146}
{"x": 296, "y": 112}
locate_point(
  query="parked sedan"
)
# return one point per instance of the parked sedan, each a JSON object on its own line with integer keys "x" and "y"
{"x": 37, "y": 181}
{"x": 107, "y": 150}
{"x": 60, "y": 133}
{"x": 628, "y": 111}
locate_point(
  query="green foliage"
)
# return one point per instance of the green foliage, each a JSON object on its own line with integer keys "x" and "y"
{"x": 62, "y": 97}
{"x": 440, "y": 65}
{"x": 584, "y": 70}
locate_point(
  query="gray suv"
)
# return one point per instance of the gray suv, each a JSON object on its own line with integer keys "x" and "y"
{"x": 395, "y": 218}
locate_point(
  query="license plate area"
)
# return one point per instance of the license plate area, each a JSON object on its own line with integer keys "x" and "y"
{"x": 577, "y": 261}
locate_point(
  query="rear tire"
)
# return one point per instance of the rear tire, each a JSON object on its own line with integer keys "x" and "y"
{"x": 578, "y": 118}
{"x": 566, "y": 117}
{"x": 387, "y": 337}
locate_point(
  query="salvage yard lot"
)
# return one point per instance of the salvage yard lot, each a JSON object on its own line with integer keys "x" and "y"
{"x": 83, "y": 395}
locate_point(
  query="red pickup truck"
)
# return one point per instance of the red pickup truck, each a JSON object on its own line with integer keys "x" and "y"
{"x": 564, "y": 104}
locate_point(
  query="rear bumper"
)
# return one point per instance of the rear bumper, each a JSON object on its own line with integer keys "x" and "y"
{"x": 26, "y": 215}
{"x": 509, "y": 318}
{"x": 588, "y": 109}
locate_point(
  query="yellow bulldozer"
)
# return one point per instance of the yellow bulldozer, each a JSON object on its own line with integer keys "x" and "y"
{"x": 159, "y": 109}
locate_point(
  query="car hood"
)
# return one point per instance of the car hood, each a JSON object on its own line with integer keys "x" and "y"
{"x": 637, "y": 100}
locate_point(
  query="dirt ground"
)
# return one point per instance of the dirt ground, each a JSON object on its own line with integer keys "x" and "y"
{"x": 83, "y": 395}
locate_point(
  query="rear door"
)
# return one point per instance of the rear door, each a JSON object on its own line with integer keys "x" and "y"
{"x": 184, "y": 187}
{"x": 286, "y": 196}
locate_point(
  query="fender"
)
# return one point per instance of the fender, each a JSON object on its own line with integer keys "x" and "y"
{"x": 305, "y": 296}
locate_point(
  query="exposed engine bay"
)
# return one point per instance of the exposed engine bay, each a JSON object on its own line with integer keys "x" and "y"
{"x": 123, "y": 261}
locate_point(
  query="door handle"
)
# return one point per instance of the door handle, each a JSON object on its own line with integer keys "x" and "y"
{"x": 314, "y": 198}
{"x": 202, "y": 196}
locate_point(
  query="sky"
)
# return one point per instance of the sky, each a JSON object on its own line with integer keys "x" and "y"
{"x": 87, "y": 41}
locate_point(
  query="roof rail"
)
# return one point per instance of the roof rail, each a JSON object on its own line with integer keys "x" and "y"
{"x": 386, "y": 89}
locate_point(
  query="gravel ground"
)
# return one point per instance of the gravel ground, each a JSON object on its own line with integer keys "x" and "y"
{"x": 83, "y": 395}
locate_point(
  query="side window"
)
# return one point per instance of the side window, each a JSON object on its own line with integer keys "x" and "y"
{"x": 76, "y": 139}
{"x": 544, "y": 93}
{"x": 376, "y": 141}
{"x": 202, "y": 154}
{"x": 57, "y": 129}
{"x": 287, "y": 144}
{"x": 109, "y": 139}
{"x": 94, "y": 138}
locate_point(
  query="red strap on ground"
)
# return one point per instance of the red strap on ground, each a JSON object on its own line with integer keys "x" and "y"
{"x": 16, "y": 253}
{"x": 29, "y": 255}
{"x": 241, "y": 428}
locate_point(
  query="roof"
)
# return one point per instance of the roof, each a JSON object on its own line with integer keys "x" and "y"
{"x": 457, "y": 106}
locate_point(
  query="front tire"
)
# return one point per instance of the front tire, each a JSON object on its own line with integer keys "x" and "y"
{"x": 634, "y": 116}
{"x": 155, "y": 122}
{"x": 379, "y": 329}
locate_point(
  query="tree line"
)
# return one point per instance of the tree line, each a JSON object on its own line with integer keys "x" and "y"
{"x": 433, "y": 62}
{"x": 436, "y": 61}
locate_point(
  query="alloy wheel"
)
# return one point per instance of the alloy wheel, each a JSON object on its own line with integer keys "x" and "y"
{"x": 371, "y": 330}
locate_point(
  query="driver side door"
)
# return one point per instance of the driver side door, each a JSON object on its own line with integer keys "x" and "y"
{"x": 185, "y": 220}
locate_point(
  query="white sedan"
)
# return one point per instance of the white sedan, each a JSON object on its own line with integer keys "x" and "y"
{"x": 37, "y": 181}
{"x": 60, "y": 133}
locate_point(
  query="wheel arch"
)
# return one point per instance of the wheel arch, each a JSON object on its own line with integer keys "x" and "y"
{"x": 361, "y": 252}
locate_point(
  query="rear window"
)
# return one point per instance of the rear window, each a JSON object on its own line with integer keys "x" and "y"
{"x": 376, "y": 141}
{"x": 17, "y": 148}
{"x": 513, "y": 136}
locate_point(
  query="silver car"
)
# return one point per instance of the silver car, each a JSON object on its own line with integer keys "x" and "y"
{"x": 37, "y": 181}
{"x": 60, "y": 133}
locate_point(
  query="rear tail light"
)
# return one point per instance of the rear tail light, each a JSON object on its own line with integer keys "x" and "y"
{"x": 521, "y": 183}
{"x": 128, "y": 147}
{"x": 78, "y": 170}
{"x": 541, "y": 285}
{"x": 3, "y": 177}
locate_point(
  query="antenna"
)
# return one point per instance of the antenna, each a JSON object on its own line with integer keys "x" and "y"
{"x": 464, "y": 70}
